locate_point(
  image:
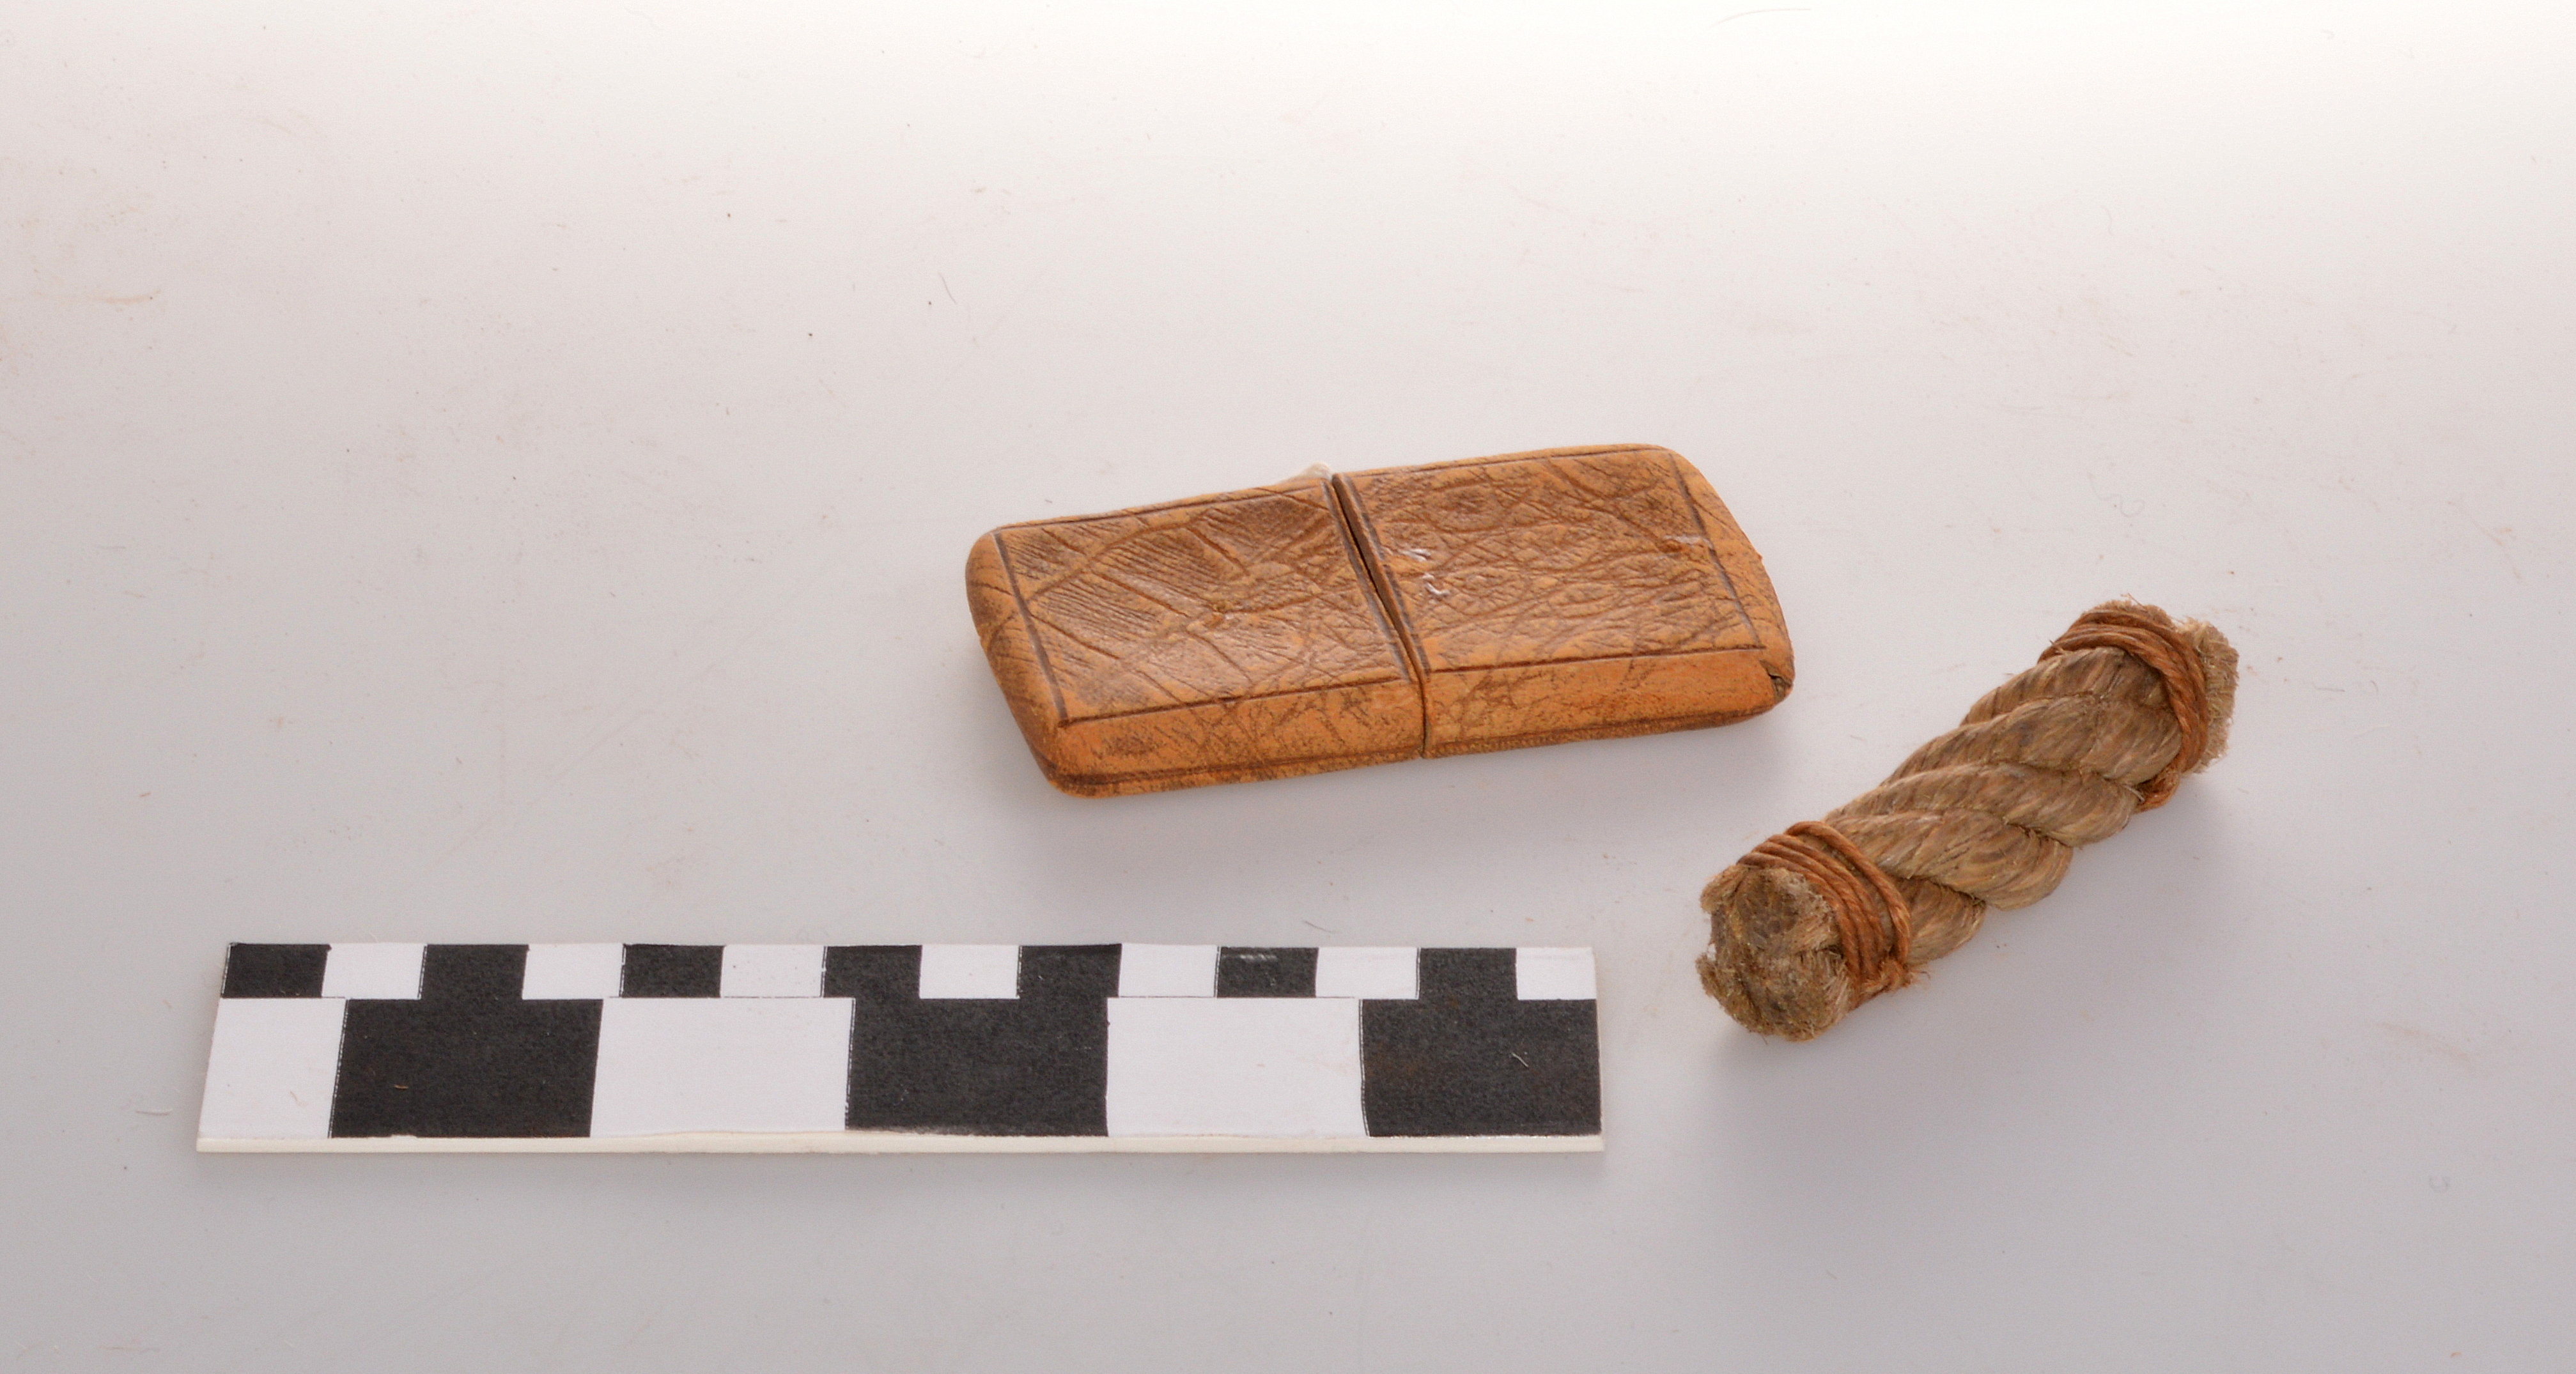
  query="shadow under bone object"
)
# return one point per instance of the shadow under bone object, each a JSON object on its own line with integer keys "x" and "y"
{"x": 1333, "y": 621}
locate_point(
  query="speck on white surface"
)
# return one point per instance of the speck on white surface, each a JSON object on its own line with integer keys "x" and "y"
{"x": 386, "y": 971}
{"x": 1167, "y": 970}
{"x": 773, "y": 971}
{"x": 959, "y": 971}
{"x": 573, "y": 971}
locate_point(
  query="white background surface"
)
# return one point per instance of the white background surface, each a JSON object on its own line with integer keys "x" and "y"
{"x": 466, "y": 475}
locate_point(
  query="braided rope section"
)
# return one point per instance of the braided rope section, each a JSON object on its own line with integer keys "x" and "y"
{"x": 1828, "y": 914}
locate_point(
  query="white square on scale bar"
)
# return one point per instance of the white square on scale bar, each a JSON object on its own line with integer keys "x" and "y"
{"x": 969, "y": 971}
{"x": 1167, "y": 970}
{"x": 1365, "y": 971}
{"x": 1555, "y": 975}
{"x": 271, "y": 1072}
{"x": 556, "y": 972}
{"x": 773, "y": 971}
{"x": 1265, "y": 1067}
{"x": 674, "y": 1064}
{"x": 384, "y": 972}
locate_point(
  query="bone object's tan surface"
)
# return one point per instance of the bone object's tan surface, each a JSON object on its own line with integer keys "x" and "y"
{"x": 1366, "y": 617}
{"x": 1829, "y": 914}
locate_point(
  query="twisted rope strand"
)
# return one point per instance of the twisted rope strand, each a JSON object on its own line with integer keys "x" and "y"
{"x": 2157, "y": 644}
{"x": 1828, "y": 914}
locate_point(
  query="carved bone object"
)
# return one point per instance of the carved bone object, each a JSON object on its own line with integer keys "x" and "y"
{"x": 1338, "y": 620}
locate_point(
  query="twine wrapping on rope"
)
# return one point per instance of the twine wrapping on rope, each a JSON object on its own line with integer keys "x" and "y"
{"x": 1828, "y": 914}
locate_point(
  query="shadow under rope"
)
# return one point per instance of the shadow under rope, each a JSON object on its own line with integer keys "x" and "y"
{"x": 2035, "y": 1036}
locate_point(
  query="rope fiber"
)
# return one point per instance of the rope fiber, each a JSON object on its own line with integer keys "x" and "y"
{"x": 1830, "y": 913}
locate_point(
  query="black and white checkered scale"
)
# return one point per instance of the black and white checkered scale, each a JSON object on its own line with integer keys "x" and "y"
{"x": 902, "y": 1047}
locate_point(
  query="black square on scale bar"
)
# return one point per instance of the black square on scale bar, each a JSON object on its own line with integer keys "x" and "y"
{"x": 1035, "y": 1064}
{"x": 674, "y": 971}
{"x": 1470, "y": 1057}
{"x": 1249, "y": 972}
{"x": 468, "y": 1057}
{"x": 275, "y": 970}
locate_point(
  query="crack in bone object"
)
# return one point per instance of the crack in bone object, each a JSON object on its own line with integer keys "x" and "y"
{"x": 1830, "y": 913}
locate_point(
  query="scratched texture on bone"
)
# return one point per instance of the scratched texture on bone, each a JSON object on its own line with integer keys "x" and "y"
{"x": 1367, "y": 617}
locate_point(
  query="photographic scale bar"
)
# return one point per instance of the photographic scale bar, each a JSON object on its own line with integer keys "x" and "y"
{"x": 872, "y": 1049}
